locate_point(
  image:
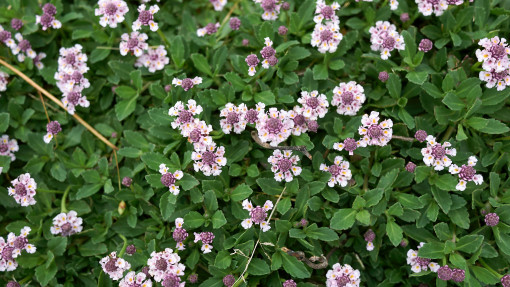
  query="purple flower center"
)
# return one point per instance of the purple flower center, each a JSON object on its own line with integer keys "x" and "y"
{"x": 267, "y": 52}
{"x": 422, "y": 261}
{"x": 5, "y": 35}
{"x": 444, "y": 273}
{"x": 67, "y": 229}
{"x": 110, "y": 9}
{"x": 111, "y": 265}
{"x": 232, "y": 118}
{"x": 12, "y": 284}
{"x": 46, "y": 20}
{"x": 347, "y": 98}
{"x": 299, "y": 120}
{"x": 498, "y": 51}
{"x": 313, "y": 126}
{"x": 268, "y": 5}
{"x": 187, "y": 84}
{"x": 16, "y": 24}
{"x": 284, "y": 164}
{"x": 389, "y": 43}
{"x": 369, "y": 235}
{"x": 433, "y": 2}
{"x": 24, "y": 45}
{"x": 375, "y": 131}
{"x": 438, "y": 152}
{"x": 467, "y": 172}
{"x": 334, "y": 170}
{"x": 180, "y": 234}
{"x": 185, "y": 116}
{"x": 458, "y": 275}
{"x": 193, "y": 278}
{"x": 207, "y": 237}
{"x": 74, "y": 98}
{"x": 161, "y": 264}
{"x": 500, "y": 76}
{"x": 145, "y": 17}
{"x": 20, "y": 242}
{"x": 235, "y": 23}
{"x": 326, "y": 35}
{"x": 50, "y": 9}
{"x": 252, "y": 116}
{"x": 195, "y": 135}
{"x": 70, "y": 58}
{"x": 76, "y": 76}
{"x": 4, "y": 148}
{"x": 491, "y": 219}
{"x": 410, "y": 167}
{"x": 258, "y": 214}
{"x": 272, "y": 61}
{"x": 274, "y": 125}
{"x": 53, "y": 127}
{"x": 505, "y": 280}
{"x": 20, "y": 189}
{"x": 342, "y": 281}
{"x": 312, "y": 102}
{"x": 327, "y": 12}
{"x": 132, "y": 43}
{"x": 252, "y": 60}
{"x": 153, "y": 57}
{"x": 168, "y": 179}
{"x": 208, "y": 158}
{"x": 211, "y": 28}
{"x": 171, "y": 280}
{"x": 420, "y": 135}
{"x": 127, "y": 181}
{"x": 425, "y": 45}
{"x": 7, "y": 253}
{"x": 350, "y": 144}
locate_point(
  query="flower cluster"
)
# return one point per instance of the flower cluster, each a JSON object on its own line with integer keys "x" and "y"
{"x": 146, "y": 18}
{"x": 436, "y": 155}
{"x": 71, "y": 67}
{"x": 165, "y": 263}
{"x": 179, "y": 234}
{"x": 23, "y": 49}
{"x": 133, "y": 279}
{"x": 301, "y": 123}
{"x": 8, "y": 147}
{"x": 47, "y": 19}
{"x": 315, "y": 105}
{"x": 168, "y": 178}
{"x": 393, "y": 4}
{"x": 369, "y": 238}
{"x": 268, "y": 54}
{"x": 491, "y": 219}
{"x": 218, "y": 4}
{"x": 4, "y": 78}
{"x": 349, "y": 145}
{"x": 234, "y": 118}
{"x": 340, "y": 172}
{"x": 385, "y": 38}
{"x": 6, "y": 38}
{"x": 114, "y": 266}
{"x": 289, "y": 283}
{"x": 133, "y": 43}
{"x": 187, "y": 83}
{"x": 271, "y": 9}
{"x": 258, "y": 215}
{"x": 348, "y": 98}
{"x": 111, "y": 11}
{"x": 229, "y": 280}
{"x": 427, "y": 7}
{"x": 466, "y": 173}
{"x": 326, "y": 35}
{"x": 52, "y": 128}
{"x": 419, "y": 264}
{"x": 274, "y": 126}
{"x": 12, "y": 249}
{"x": 342, "y": 275}
{"x": 154, "y": 59}
{"x": 209, "y": 159}
{"x": 23, "y": 190}
{"x": 505, "y": 280}
{"x": 66, "y": 224}
{"x": 284, "y": 165}
{"x": 209, "y": 29}
{"x": 495, "y": 62}
{"x": 445, "y": 273}
{"x": 206, "y": 238}
{"x": 373, "y": 132}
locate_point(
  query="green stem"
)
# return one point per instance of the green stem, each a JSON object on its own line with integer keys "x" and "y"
{"x": 448, "y": 133}
{"x": 489, "y": 268}
{"x": 25, "y": 280}
{"x": 123, "y": 250}
{"x": 63, "y": 202}
{"x": 241, "y": 281}
{"x": 167, "y": 44}
{"x": 49, "y": 190}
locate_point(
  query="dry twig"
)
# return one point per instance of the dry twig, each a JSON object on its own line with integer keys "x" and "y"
{"x": 300, "y": 148}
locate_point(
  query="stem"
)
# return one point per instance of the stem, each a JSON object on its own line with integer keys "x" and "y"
{"x": 118, "y": 170}
{"x": 448, "y": 133}
{"x": 402, "y": 138}
{"x": 162, "y": 36}
{"x": 123, "y": 250}
{"x": 489, "y": 268}
{"x": 24, "y": 280}
{"x": 63, "y": 202}
{"x": 44, "y": 106}
{"x": 49, "y": 191}
{"x": 59, "y": 103}
{"x": 300, "y": 148}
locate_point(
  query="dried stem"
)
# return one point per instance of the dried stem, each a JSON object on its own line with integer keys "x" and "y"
{"x": 59, "y": 103}
{"x": 300, "y": 148}
{"x": 44, "y": 106}
{"x": 402, "y": 138}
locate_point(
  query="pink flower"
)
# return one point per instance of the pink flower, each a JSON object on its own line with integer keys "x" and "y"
{"x": 342, "y": 275}
{"x": 66, "y": 224}
{"x": 179, "y": 234}
{"x": 197, "y": 133}
{"x": 4, "y": 77}
{"x": 168, "y": 178}
{"x": 11, "y": 249}
{"x": 209, "y": 159}
{"x": 209, "y": 29}
{"x": 135, "y": 280}
{"x": 146, "y": 18}
{"x": 284, "y": 165}
{"x": 373, "y": 132}
{"x": 134, "y": 43}
{"x": 252, "y": 115}
{"x": 234, "y": 118}
{"x": 258, "y": 215}
{"x": 187, "y": 83}
{"x": 218, "y": 4}
{"x": 154, "y": 60}
{"x": 71, "y": 67}
{"x": 385, "y": 38}
{"x": 300, "y": 121}
{"x": 114, "y": 266}
{"x": 326, "y": 37}
{"x": 184, "y": 116}
{"x": 419, "y": 264}
{"x": 271, "y": 9}
{"x": 326, "y": 12}
{"x": 111, "y": 12}
{"x": 349, "y": 145}
{"x": 436, "y": 155}
{"x": 427, "y": 7}
{"x": 207, "y": 240}
{"x": 164, "y": 263}
{"x": 23, "y": 49}
{"x": 23, "y": 190}
{"x": 53, "y": 128}
{"x": 37, "y": 60}
{"x": 340, "y": 172}
{"x": 274, "y": 127}
{"x": 315, "y": 105}
{"x": 466, "y": 173}
{"x": 495, "y": 61}
{"x": 8, "y": 147}
{"x": 348, "y": 98}
{"x": 393, "y": 4}
{"x": 47, "y": 20}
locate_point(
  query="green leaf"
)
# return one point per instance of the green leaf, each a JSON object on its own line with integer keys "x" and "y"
{"x": 373, "y": 196}
{"x": 266, "y": 97}
{"x": 4, "y": 122}
{"x": 394, "y": 232}
{"x": 258, "y": 267}
{"x": 432, "y": 250}
{"x": 443, "y": 199}
{"x": 241, "y": 192}
{"x": 443, "y": 231}
{"x": 167, "y": 205}
{"x": 432, "y": 90}
{"x": 88, "y": 190}
{"x": 200, "y": 62}
{"x": 343, "y": 219}
{"x": 470, "y": 243}
{"x": 269, "y": 186}
{"x": 218, "y": 219}
{"x": 446, "y": 182}
{"x": 125, "y": 92}
{"x": 460, "y": 217}
{"x": 188, "y": 181}
{"x": 125, "y": 108}
{"x": 57, "y": 245}
{"x": 321, "y": 233}
{"x": 494, "y": 180}
{"x": 502, "y": 240}
{"x": 417, "y": 77}
{"x": 223, "y": 259}
{"x": 320, "y": 72}
{"x": 44, "y": 273}
{"x": 193, "y": 219}
{"x": 488, "y": 126}
{"x": 483, "y": 274}
{"x": 177, "y": 51}
{"x": 210, "y": 201}
{"x": 394, "y": 86}
{"x": 92, "y": 249}
{"x": 295, "y": 268}
{"x": 453, "y": 102}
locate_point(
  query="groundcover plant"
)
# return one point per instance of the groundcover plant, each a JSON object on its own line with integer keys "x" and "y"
{"x": 254, "y": 143}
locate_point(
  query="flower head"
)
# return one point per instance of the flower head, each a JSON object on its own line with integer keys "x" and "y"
{"x": 218, "y": 4}
{"x": 348, "y": 98}
{"x": 127, "y": 181}
{"x": 179, "y": 233}
{"x": 252, "y": 115}
{"x": 111, "y": 12}
{"x": 349, "y": 145}
{"x": 315, "y": 105}
{"x": 252, "y": 61}
{"x": 11, "y": 249}
{"x": 67, "y": 224}
{"x": 444, "y": 273}
{"x": 419, "y": 264}
{"x": 427, "y": 7}
{"x": 466, "y": 173}
{"x": 289, "y": 283}
{"x": 187, "y": 83}
{"x": 458, "y": 275}
{"x": 425, "y": 45}
{"x": 436, "y": 155}
{"x": 16, "y": 24}
{"x": 342, "y": 275}
{"x": 209, "y": 29}
{"x": 234, "y": 118}
{"x": 385, "y": 38}
{"x": 209, "y": 159}
{"x": 258, "y": 215}
{"x": 23, "y": 49}
{"x": 274, "y": 126}
{"x": 410, "y": 167}
{"x": 271, "y": 9}
{"x": 168, "y": 178}
{"x": 491, "y": 219}
{"x": 184, "y": 114}
{"x": 71, "y": 67}
{"x": 505, "y": 280}
{"x": 326, "y": 12}
{"x": 207, "y": 240}
{"x": 284, "y": 165}
{"x": 154, "y": 60}
{"x": 234, "y": 23}
{"x": 133, "y": 43}
{"x": 114, "y": 266}
{"x": 326, "y": 37}
{"x": 23, "y": 190}
{"x": 229, "y": 280}
{"x": 132, "y": 279}
{"x": 164, "y": 263}
{"x": 8, "y": 147}
{"x": 420, "y": 135}
{"x": 146, "y": 18}
{"x": 53, "y": 128}
{"x": 47, "y": 19}
{"x": 340, "y": 172}
{"x": 373, "y": 132}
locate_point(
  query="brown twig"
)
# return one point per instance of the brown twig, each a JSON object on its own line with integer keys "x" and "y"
{"x": 59, "y": 103}
{"x": 300, "y": 148}
{"x": 402, "y": 138}
{"x": 44, "y": 106}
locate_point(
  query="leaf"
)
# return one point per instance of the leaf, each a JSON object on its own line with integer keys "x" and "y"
{"x": 88, "y": 190}
{"x": 266, "y": 97}
{"x": 298, "y": 53}
{"x": 193, "y": 219}
{"x": 417, "y": 77}
{"x": 166, "y": 206}
{"x": 269, "y": 186}
{"x": 44, "y": 273}
{"x": 453, "y": 102}
{"x": 373, "y": 196}
{"x": 200, "y": 62}
{"x": 460, "y": 217}
{"x": 295, "y": 268}
{"x": 489, "y": 126}
{"x": 394, "y": 232}
{"x": 218, "y": 219}
{"x": 443, "y": 199}
{"x": 57, "y": 245}
{"x": 432, "y": 90}
{"x": 241, "y": 192}
{"x": 4, "y": 122}
{"x": 92, "y": 249}
{"x": 223, "y": 259}
{"x": 188, "y": 181}
{"x": 432, "y": 250}
{"x": 125, "y": 92}
{"x": 321, "y": 233}
{"x": 320, "y": 72}
{"x": 125, "y": 108}
{"x": 502, "y": 240}
{"x": 258, "y": 267}
{"x": 484, "y": 275}
{"x": 470, "y": 243}
{"x": 343, "y": 219}
{"x": 394, "y": 86}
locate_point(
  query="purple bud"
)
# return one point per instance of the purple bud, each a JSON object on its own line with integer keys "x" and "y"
{"x": 193, "y": 278}
{"x": 127, "y": 181}
{"x": 425, "y": 45}
{"x": 444, "y": 273}
{"x": 114, "y": 135}
{"x": 168, "y": 88}
{"x": 211, "y": 28}
{"x": 410, "y": 166}
{"x": 491, "y": 219}
{"x": 187, "y": 84}
{"x": 289, "y": 283}
{"x": 285, "y": 6}
{"x": 404, "y": 17}
{"x": 505, "y": 280}
{"x": 282, "y": 30}
{"x": 229, "y": 280}
{"x": 246, "y": 42}
{"x": 252, "y": 60}
{"x": 458, "y": 275}
{"x": 383, "y": 76}
{"x": 16, "y": 24}
{"x": 49, "y": 9}
{"x": 130, "y": 250}
{"x": 267, "y": 52}
{"x": 303, "y": 222}
{"x": 313, "y": 126}
{"x": 168, "y": 179}
{"x": 12, "y": 284}
{"x": 369, "y": 235}
{"x": 420, "y": 135}
{"x": 235, "y": 23}
{"x": 5, "y": 35}
{"x": 403, "y": 243}
{"x": 145, "y": 270}
{"x": 180, "y": 234}
{"x": 350, "y": 144}
{"x": 53, "y": 127}
{"x": 272, "y": 61}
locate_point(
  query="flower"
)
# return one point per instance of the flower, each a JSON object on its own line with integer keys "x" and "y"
{"x": 135, "y": 280}
{"x": 12, "y": 284}
{"x": 8, "y": 147}
{"x": 233, "y": 118}
{"x": 271, "y": 9}
{"x": 300, "y": 121}
{"x": 234, "y": 23}
{"x": 209, "y": 29}
{"x": 164, "y": 263}
{"x": 285, "y": 6}
{"x": 315, "y": 105}
{"x": 172, "y": 280}
{"x": 193, "y": 278}
{"x": 466, "y": 173}
{"x": 252, "y": 115}
{"x": 436, "y": 155}
{"x": 209, "y": 159}
{"x": 229, "y": 280}
{"x": 444, "y": 273}
{"x": 393, "y": 4}
{"x": 146, "y": 18}
{"x": 11, "y": 249}
{"x": 349, "y": 145}
{"x": 373, "y": 132}
{"x": 16, "y": 24}
{"x": 385, "y": 38}
{"x": 219, "y": 4}
{"x": 268, "y": 54}
{"x": 6, "y": 38}
{"x": 419, "y": 264}
{"x": 71, "y": 67}
{"x": 207, "y": 239}
{"x": 427, "y": 7}
{"x": 458, "y": 275}
{"x": 369, "y": 235}
{"x": 383, "y": 76}
{"x": 127, "y": 181}
{"x": 154, "y": 60}
{"x": 23, "y": 49}
{"x": 168, "y": 179}
{"x": 289, "y": 283}
{"x": 134, "y": 43}
{"x": 284, "y": 165}
{"x": 66, "y": 224}
{"x": 348, "y": 98}
{"x": 342, "y": 275}
{"x": 258, "y": 215}
{"x": 410, "y": 167}
{"x": 37, "y": 60}
{"x": 53, "y": 128}
{"x": 111, "y": 12}
{"x": 425, "y": 45}
{"x": 491, "y": 219}
{"x": 340, "y": 172}
{"x": 130, "y": 249}
{"x": 502, "y": 79}
{"x": 252, "y": 61}
{"x": 404, "y": 17}
{"x": 495, "y": 62}
{"x": 420, "y": 135}
{"x": 197, "y": 132}
{"x": 282, "y": 30}
{"x": 326, "y": 12}
{"x": 274, "y": 127}
{"x": 47, "y": 19}
{"x": 184, "y": 116}
{"x": 179, "y": 233}
{"x": 23, "y": 190}
{"x": 4, "y": 80}
{"x": 326, "y": 37}
{"x": 114, "y": 266}
{"x": 505, "y": 280}
{"x": 187, "y": 83}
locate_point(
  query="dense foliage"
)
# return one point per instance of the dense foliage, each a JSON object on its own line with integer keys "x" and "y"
{"x": 357, "y": 189}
